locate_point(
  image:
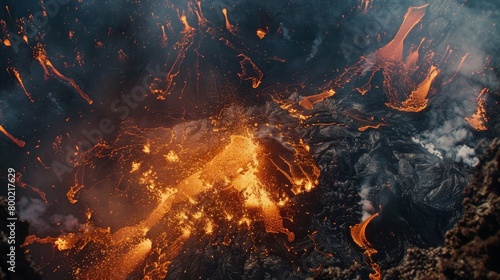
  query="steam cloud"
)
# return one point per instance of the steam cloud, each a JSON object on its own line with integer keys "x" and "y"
{"x": 448, "y": 135}
{"x": 35, "y": 212}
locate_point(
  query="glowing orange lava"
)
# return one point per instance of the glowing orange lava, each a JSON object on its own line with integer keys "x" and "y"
{"x": 250, "y": 71}
{"x": 50, "y": 70}
{"x": 18, "y": 142}
{"x": 403, "y": 93}
{"x": 240, "y": 167}
{"x": 229, "y": 26}
{"x": 309, "y": 101}
{"x": 417, "y": 101}
{"x": 358, "y": 235}
{"x": 261, "y": 33}
{"x": 479, "y": 119}
{"x": 18, "y": 77}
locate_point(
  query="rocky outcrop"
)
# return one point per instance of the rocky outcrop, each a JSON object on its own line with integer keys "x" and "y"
{"x": 472, "y": 246}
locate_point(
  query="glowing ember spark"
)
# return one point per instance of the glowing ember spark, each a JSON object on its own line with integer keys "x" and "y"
{"x": 163, "y": 37}
{"x": 46, "y": 64}
{"x": 18, "y": 77}
{"x": 185, "y": 175}
{"x": 33, "y": 188}
{"x": 358, "y": 232}
{"x": 166, "y": 85}
{"x": 63, "y": 242}
{"x": 250, "y": 71}
{"x": 186, "y": 24}
{"x": 261, "y": 33}
{"x": 229, "y": 27}
{"x": 8, "y": 11}
{"x": 479, "y": 119}
{"x": 6, "y": 42}
{"x": 18, "y": 142}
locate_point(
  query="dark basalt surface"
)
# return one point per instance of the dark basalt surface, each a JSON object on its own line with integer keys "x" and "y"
{"x": 471, "y": 247}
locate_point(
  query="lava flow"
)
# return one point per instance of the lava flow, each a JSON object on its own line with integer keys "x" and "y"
{"x": 479, "y": 119}
{"x": 358, "y": 234}
{"x": 402, "y": 92}
{"x": 241, "y": 169}
{"x": 18, "y": 77}
{"x": 50, "y": 70}
{"x": 18, "y": 142}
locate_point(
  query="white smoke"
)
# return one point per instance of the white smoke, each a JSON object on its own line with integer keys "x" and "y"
{"x": 315, "y": 46}
{"x": 35, "y": 212}
{"x": 448, "y": 141}
{"x": 366, "y": 204}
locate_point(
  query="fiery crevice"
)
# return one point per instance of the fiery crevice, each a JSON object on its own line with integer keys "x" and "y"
{"x": 358, "y": 234}
{"x": 50, "y": 70}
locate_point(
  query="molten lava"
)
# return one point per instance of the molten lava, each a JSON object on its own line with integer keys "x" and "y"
{"x": 250, "y": 71}
{"x": 358, "y": 234}
{"x": 479, "y": 119}
{"x": 229, "y": 26}
{"x": 261, "y": 33}
{"x": 239, "y": 167}
{"x": 50, "y": 70}
{"x": 19, "y": 79}
{"x": 403, "y": 93}
{"x": 18, "y": 142}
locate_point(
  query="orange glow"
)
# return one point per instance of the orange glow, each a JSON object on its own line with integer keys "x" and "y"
{"x": 8, "y": 11}
{"x": 261, "y": 33}
{"x": 402, "y": 91}
{"x": 46, "y": 65}
{"x": 250, "y": 71}
{"x": 479, "y": 119}
{"x": 229, "y": 26}
{"x": 163, "y": 37}
{"x": 240, "y": 166}
{"x": 6, "y": 42}
{"x": 309, "y": 101}
{"x": 418, "y": 98}
{"x": 364, "y": 128}
{"x": 18, "y": 142}
{"x": 18, "y": 77}
{"x": 186, "y": 24}
{"x": 393, "y": 51}
{"x": 458, "y": 68}
{"x": 358, "y": 232}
